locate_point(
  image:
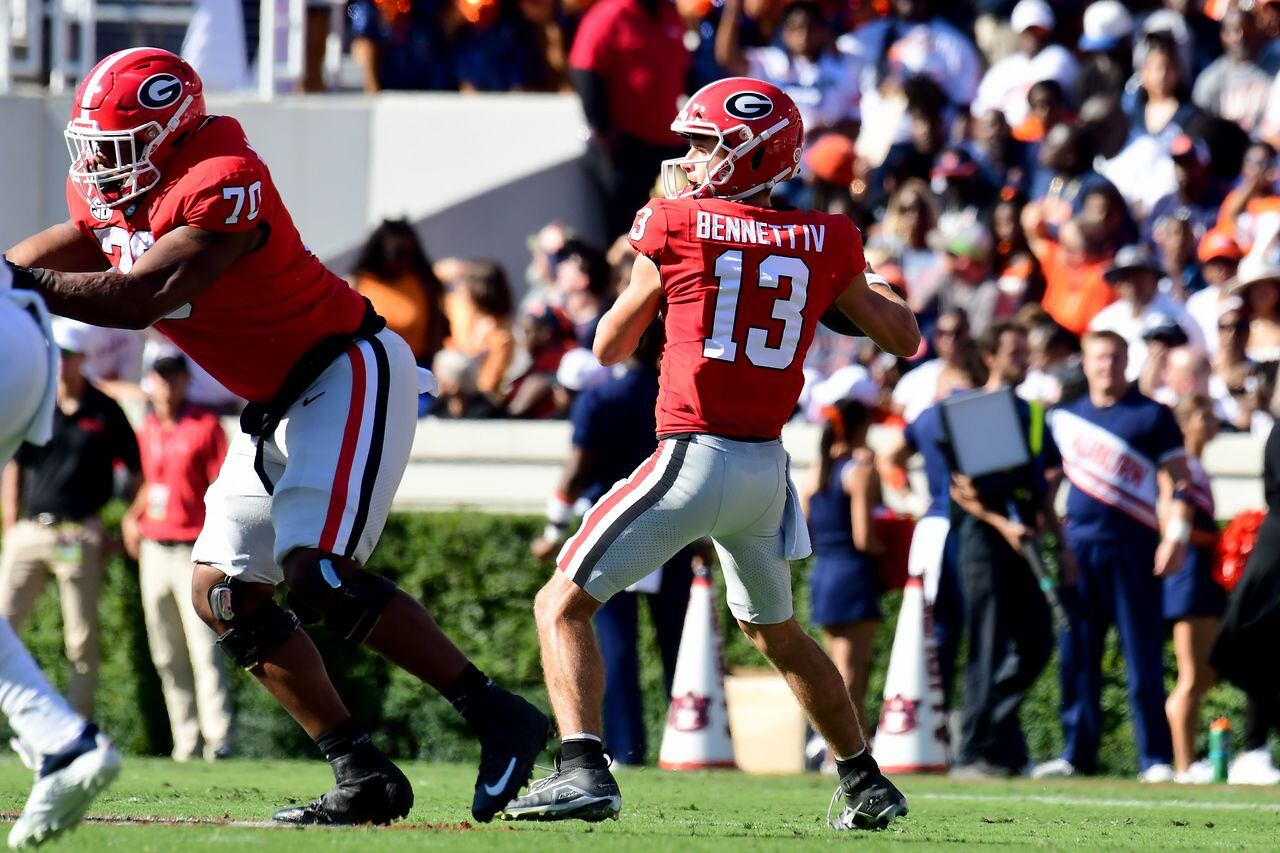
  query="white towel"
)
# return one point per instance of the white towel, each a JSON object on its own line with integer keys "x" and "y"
{"x": 795, "y": 530}
{"x": 427, "y": 383}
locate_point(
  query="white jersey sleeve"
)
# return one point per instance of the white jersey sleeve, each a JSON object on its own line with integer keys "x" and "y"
{"x": 28, "y": 367}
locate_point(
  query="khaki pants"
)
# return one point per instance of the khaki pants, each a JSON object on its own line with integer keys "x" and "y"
{"x": 72, "y": 554}
{"x": 185, "y": 653}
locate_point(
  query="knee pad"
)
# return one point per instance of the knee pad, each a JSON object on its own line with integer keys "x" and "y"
{"x": 350, "y": 608}
{"x": 249, "y": 636}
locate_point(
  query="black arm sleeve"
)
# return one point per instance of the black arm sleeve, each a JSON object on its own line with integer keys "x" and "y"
{"x": 595, "y": 103}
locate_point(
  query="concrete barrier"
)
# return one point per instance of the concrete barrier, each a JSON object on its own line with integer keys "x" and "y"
{"x": 512, "y": 466}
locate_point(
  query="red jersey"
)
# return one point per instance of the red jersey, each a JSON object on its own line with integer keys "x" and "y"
{"x": 743, "y": 288}
{"x": 178, "y": 464}
{"x": 253, "y": 324}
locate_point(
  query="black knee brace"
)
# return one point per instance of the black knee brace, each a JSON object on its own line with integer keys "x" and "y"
{"x": 250, "y": 636}
{"x": 350, "y": 609}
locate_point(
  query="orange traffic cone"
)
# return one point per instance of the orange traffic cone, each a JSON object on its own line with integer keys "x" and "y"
{"x": 697, "y": 734}
{"x": 912, "y": 734}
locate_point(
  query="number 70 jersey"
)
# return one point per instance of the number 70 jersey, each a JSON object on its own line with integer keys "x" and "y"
{"x": 743, "y": 288}
{"x": 272, "y": 305}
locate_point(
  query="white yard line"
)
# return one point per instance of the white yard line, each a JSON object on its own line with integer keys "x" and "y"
{"x": 1108, "y": 803}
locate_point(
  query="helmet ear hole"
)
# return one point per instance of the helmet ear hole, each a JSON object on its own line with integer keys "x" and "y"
{"x": 758, "y": 157}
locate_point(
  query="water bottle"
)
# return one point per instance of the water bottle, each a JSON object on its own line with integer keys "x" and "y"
{"x": 1220, "y": 747}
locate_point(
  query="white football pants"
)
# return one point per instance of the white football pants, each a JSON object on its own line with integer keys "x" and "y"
{"x": 41, "y": 718}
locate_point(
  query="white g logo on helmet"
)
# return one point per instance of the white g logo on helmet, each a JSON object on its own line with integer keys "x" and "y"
{"x": 748, "y": 105}
{"x": 159, "y": 91}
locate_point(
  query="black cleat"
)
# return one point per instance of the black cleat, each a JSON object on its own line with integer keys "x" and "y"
{"x": 871, "y": 801}
{"x": 369, "y": 789}
{"x": 512, "y": 733}
{"x": 570, "y": 793}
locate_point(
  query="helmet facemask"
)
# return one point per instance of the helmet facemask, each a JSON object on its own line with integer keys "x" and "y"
{"x": 675, "y": 180}
{"x": 674, "y": 176}
{"x": 112, "y": 167}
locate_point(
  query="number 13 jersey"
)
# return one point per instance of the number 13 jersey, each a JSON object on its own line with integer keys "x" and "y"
{"x": 743, "y": 288}
{"x": 272, "y": 305}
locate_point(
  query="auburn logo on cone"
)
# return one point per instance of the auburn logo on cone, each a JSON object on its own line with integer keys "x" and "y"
{"x": 898, "y": 715}
{"x": 688, "y": 713}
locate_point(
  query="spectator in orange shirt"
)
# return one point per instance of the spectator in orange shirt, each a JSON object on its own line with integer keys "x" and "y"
{"x": 479, "y": 312}
{"x": 1073, "y": 266}
{"x": 394, "y": 273}
{"x": 1254, "y": 197}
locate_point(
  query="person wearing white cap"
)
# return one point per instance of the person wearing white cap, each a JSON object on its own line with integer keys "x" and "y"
{"x": 1106, "y": 54}
{"x": 72, "y": 760}
{"x": 1106, "y": 25}
{"x": 1258, "y": 284}
{"x": 1006, "y": 84}
{"x": 1148, "y": 319}
{"x": 1239, "y": 390}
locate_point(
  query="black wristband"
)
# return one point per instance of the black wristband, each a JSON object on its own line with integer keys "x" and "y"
{"x": 25, "y": 278}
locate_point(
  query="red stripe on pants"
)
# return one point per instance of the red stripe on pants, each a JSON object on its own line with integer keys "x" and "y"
{"x": 350, "y": 438}
{"x": 601, "y": 510}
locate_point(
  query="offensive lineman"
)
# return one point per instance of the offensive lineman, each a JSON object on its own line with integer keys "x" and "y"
{"x": 72, "y": 760}
{"x": 175, "y": 222}
{"x": 741, "y": 286}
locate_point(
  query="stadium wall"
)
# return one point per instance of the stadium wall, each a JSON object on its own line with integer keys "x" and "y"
{"x": 476, "y": 174}
{"x": 511, "y": 467}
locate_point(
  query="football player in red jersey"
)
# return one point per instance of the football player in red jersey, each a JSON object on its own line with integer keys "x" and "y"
{"x": 175, "y": 222}
{"x": 741, "y": 287}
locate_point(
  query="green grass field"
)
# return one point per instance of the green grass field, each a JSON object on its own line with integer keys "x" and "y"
{"x": 159, "y": 805}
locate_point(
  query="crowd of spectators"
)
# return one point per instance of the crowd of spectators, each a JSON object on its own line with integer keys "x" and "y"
{"x": 1108, "y": 167}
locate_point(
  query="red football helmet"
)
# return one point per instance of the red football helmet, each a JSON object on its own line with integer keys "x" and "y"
{"x": 758, "y": 128}
{"x": 127, "y": 115}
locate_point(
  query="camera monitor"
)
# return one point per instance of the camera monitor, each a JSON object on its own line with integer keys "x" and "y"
{"x": 985, "y": 432}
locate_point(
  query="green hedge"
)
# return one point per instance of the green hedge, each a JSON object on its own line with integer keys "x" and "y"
{"x": 476, "y": 576}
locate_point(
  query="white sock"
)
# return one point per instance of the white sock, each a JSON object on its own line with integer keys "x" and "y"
{"x": 581, "y": 736}
{"x": 42, "y": 719}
